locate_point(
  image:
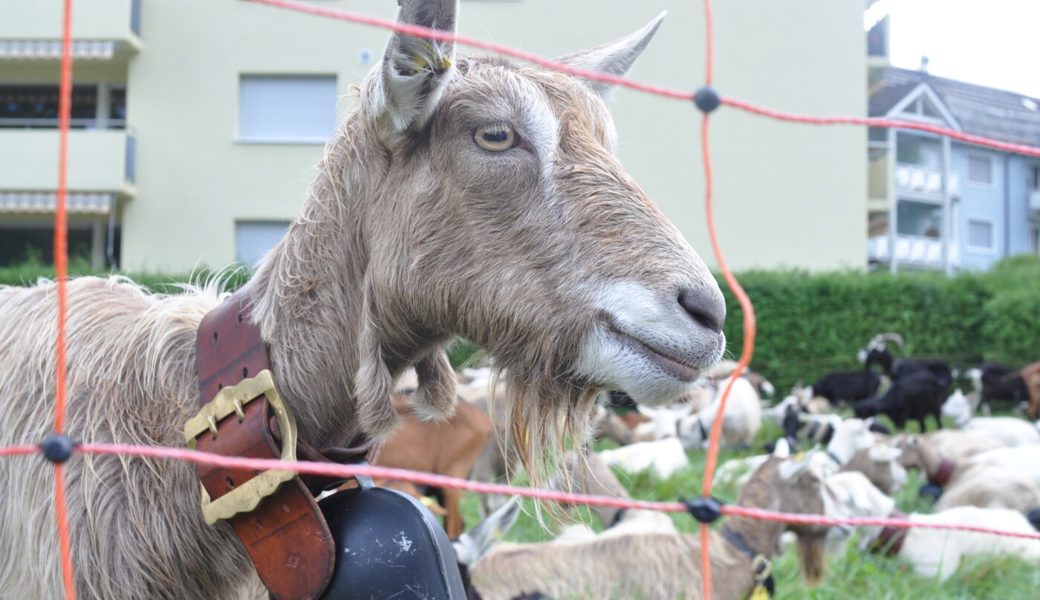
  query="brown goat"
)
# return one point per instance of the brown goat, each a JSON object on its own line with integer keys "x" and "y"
{"x": 1031, "y": 375}
{"x": 461, "y": 197}
{"x": 448, "y": 447}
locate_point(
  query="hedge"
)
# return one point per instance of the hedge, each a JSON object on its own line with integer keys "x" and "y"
{"x": 809, "y": 324}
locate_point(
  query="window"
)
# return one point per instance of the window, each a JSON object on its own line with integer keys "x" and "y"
{"x": 980, "y": 234}
{"x": 1035, "y": 235}
{"x": 914, "y": 150}
{"x": 980, "y": 169}
{"x": 919, "y": 219}
{"x": 287, "y": 109}
{"x": 253, "y": 239}
{"x": 1034, "y": 177}
{"x": 36, "y": 106}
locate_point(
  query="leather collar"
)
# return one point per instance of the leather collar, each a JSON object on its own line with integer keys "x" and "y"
{"x": 761, "y": 566}
{"x": 284, "y": 534}
{"x": 942, "y": 475}
{"x": 890, "y": 540}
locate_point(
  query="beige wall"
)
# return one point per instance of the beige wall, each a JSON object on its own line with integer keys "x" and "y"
{"x": 42, "y": 19}
{"x": 786, "y": 195}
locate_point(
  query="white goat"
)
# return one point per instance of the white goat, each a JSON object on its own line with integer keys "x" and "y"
{"x": 931, "y": 552}
{"x": 741, "y": 421}
{"x": 665, "y": 457}
{"x": 1011, "y": 431}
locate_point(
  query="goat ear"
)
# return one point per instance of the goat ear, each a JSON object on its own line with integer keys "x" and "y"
{"x": 416, "y": 70}
{"x": 473, "y": 544}
{"x": 435, "y": 397}
{"x": 614, "y": 58}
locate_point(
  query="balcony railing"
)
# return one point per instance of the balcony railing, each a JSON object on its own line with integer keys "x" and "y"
{"x": 916, "y": 178}
{"x": 104, "y": 29}
{"x": 913, "y": 250}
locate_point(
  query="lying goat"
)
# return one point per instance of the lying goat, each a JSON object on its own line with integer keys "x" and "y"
{"x": 1009, "y": 430}
{"x": 970, "y": 482}
{"x": 631, "y": 564}
{"x": 931, "y": 552}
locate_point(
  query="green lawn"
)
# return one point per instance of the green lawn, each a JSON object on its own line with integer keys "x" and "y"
{"x": 854, "y": 575}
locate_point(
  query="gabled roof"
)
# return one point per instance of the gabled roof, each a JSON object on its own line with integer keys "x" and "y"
{"x": 980, "y": 110}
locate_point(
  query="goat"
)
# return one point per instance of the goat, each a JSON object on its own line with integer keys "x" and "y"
{"x": 633, "y": 564}
{"x": 915, "y": 396}
{"x": 876, "y": 353}
{"x": 1021, "y": 459}
{"x": 840, "y": 387}
{"x": 722, "y": 371}
{"x": 969, "y": 481}
{"x": 592, "y": 476}
{"x": 999, "y": 382}
{"x": 852, "y": 446}
{"x": 664, "y": 457}
{"x": 448, "y": 447}
{"x": 1009, "y": 430}
{"x": 1031, "y": 376}
{"x": 461, "y": 196}
{"x": 931, "y": 553}
{"x": 741, "y": 420}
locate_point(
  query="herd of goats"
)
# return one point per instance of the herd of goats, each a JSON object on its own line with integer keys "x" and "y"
{"x": 983, "y": 472}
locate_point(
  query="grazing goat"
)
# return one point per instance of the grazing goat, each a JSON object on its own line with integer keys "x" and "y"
{"x": 461, "y": 196}
{"x": 915, "y": 396}
{"x": 449, "y": 447}
{"x": 1009, "y": 430}
{"x": 633, "y": 564}
{"x": 876, "y": 354}
{"x": 931, "y": 552}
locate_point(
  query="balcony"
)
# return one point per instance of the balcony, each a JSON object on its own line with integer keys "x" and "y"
{"x": 1034, "y": 203}
{"x": 915, "y": 178}
{"x": 103, "y": 29}
{"x": 912, "y": 250}
{"x": 101, "y": 163}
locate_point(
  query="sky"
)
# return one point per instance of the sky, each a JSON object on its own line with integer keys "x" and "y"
{"x": 995, "y": 43}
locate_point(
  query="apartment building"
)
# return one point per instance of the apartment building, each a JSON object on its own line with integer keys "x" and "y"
{"x": 937, "y": 203}
{"x": 197, "y": 123}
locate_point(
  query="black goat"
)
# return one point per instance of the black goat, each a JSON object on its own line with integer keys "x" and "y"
{"x": 897, "y": 369}
{"x": 1002, "y": 383}
{"x": 847, "y": 386}
{"x": 914, "y": 396}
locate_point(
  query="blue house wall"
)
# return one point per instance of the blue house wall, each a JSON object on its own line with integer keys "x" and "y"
{"x": 983, "y": 203}
{"x": 1019, "y": 178}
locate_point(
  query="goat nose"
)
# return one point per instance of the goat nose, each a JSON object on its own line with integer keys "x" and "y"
{"x": 708, "y": 310}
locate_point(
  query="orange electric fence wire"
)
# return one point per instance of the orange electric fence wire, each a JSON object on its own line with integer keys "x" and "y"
{"x": 61, "y": 268}
{"x": 61, "y": 274}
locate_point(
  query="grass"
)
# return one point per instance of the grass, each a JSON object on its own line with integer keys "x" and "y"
{"x": 854, "y": 575}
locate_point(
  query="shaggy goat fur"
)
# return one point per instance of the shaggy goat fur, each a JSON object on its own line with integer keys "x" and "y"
{"x": 413, "y": 233}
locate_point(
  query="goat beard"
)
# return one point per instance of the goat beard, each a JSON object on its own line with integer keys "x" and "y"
{"x": 545, "y": 420}
{"x": 812, "y": 556}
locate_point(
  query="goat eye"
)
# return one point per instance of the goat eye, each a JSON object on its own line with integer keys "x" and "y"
{"x": 495, "y": 138}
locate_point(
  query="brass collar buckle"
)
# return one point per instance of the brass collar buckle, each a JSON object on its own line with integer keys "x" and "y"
{"x": 232, "y": 400}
